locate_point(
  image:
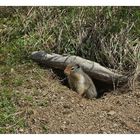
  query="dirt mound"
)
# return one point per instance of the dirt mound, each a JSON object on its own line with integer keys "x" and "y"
{"x": 60, "y": 110}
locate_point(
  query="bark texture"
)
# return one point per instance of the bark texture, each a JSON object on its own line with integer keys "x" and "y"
{"x": 93, "y": 69}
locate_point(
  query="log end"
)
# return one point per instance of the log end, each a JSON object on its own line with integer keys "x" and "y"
{"x": 38, "y": 55}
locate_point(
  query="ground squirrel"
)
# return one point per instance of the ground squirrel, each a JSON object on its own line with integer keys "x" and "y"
{"x": 80, "y": 82}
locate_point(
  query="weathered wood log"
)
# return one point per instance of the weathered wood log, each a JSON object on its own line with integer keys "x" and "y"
{"x": 93, "y": 69}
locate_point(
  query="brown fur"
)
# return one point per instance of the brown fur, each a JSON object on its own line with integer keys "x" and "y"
{"x": 80, "y": 82}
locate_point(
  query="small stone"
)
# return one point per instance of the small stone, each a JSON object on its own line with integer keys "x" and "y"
{"x": 72, "y": 101}
{"x": 115, "y": 125}
{"x": 81, "y": 105}
{"x": 138, "y": 103}
{"x": 111, "y": 112}
{"x": 102, "y": 129}
{"x": 63, "y": 127}
{"x": 101, "y": 116}
{"x": 21, "y": 130}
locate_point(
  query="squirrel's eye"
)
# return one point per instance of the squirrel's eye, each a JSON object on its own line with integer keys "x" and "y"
{"x": 72, "y": 68}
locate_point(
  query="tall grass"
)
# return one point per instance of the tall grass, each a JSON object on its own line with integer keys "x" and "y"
{"x": 108, "y": 35}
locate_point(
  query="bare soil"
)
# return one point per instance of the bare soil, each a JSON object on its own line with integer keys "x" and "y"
{"x": 61, "y": 110}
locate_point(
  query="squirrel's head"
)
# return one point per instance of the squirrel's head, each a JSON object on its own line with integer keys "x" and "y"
{"x": 72, "y": 68}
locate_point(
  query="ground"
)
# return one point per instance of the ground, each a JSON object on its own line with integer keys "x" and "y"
{"x": 34, "y": 100}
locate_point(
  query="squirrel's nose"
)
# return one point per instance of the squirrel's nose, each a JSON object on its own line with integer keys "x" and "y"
{"x": 66, "y": 72}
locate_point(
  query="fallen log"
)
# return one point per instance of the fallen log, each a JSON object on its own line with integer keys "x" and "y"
{"x": 93, "y": 69}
